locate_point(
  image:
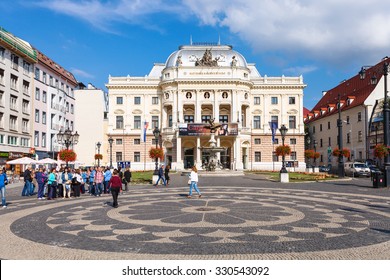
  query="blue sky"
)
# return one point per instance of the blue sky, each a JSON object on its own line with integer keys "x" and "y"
{"x": 325, "y": 42}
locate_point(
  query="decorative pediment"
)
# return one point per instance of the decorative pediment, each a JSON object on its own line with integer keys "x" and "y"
{"x": 274, "y": 112}
{"x": 137, "y": 112}
{"x": 245, "y": 144}
{"x": 119, "y": 112}
{"x": 257, "y": 112}
{"x": 294, "y": 112}
{"x": 155, "y": 112}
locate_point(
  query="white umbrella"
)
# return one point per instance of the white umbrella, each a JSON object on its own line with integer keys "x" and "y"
{"x": 23, "y": 160}
{"x": 47, "y": 161}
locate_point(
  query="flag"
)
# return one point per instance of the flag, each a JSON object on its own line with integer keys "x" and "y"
{"x": 273, "y": 126}
{"x": 146, "y": 124}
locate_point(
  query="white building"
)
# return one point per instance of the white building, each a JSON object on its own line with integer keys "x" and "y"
{"x": 198, "y": 83}
{"x": 91, "y": 124}
{"x": 17, "y": 58}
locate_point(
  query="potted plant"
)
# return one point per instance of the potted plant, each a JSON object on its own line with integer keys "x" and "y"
{"x": 98, "y": 156}
{"x": 283, "y": 150}
{"x": 67, "y": 155}
{"x": 344, "y": 152}
{"x": 156, "y": 153}
{"x": 380, "y": 151}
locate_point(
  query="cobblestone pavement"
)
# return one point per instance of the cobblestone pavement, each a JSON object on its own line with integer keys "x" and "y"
{"x": 246, "y": 217}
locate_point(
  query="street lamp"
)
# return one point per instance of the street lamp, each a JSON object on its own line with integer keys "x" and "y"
{"x": 340, "y": 137}
{"x": 67, "y": 138}
{"x": 386, "y": 119}
{"x": 98, "y": 145}
{"x": 283, "y": 131}
{"x": 156, "y": 133}
{"x": 110, "y": 141}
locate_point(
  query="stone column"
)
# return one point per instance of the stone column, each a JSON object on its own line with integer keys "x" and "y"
{"x": 198, "y": 152}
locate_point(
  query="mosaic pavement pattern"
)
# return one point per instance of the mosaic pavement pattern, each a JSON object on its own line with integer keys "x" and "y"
{"x": 227, "y": 222}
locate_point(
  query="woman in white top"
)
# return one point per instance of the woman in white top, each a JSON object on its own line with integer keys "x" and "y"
{"x": 194, "y": 182}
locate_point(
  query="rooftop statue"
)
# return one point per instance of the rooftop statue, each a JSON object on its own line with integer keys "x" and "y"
{"x": 207, "y": 60}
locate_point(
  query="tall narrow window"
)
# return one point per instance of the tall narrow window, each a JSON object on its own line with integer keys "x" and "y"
{"x": 119, "y": 122}
{"x": 292, "y": 123}
{"x": 256, "y": 122}
{"x": 137, "y": 122}
{"x": 155, "y": 122}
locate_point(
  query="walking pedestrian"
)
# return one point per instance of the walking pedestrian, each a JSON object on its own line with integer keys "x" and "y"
{"x": 27, "y": 181}
{"x": 166, "y": 174}
{"x": 3, "y": 182}
{"x": 127, "y": 177}
{"x": 115, "y": 184}
{"x": 52, "y": 184}
{"x": 194, "y": 182}
{"x": 161, "y": 176}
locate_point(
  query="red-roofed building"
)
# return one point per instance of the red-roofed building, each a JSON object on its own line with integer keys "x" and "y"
{"x": 360, "y": 99}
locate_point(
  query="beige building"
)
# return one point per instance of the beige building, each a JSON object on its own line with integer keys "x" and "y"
{"x": 360, "y": 99}
{"x": 196, "y": 84}
{"x": 91, "y": 124}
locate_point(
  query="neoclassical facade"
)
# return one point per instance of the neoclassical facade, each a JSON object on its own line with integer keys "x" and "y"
{"x": 199, "y": 83}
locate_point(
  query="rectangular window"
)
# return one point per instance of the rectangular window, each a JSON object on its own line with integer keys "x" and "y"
{"x": 137, "y": 100}
{"x": 51, "y": 80}
{"x": 359, "y": 116}
{"x": 25, "y": 125}
{"x": 321, "y": 142}
{"x": 43, "y": 117}
{"x": 13, "y": 102}
{"x": 137, "y": 122}
{"x": 154, "y": 100}
{"x": 36, "y": 138}
{"x": 292, "y": 123}
{"x": 37, "y": 94}
{"x": 71, "y": 108}
{"x": 206, "y": 118}
{"x": 257, "y": 141}
{"x": 26, "y": 67}
{"x": 137, "y": 141}
{"x": 256, "y": 100}
{"x": 276, "y": 142}
{"x": 155, "y": 122}
{"x": 2, "y": 53}
{"x": 137, "y": 157}
{"x": 44, "y": 96}
{"x": 119, "y": 122}
{"x": 293, "y": 141}
{"x": 293, "y": 156}
{"x": 119, "y": 100}
{"x": 188, "y": 118}
{"x": 256, "y": 122}
{"x": 118, "y": 156}
{"x": 314, "y": 129}
{"x": 1, "y": 77}
{"x": 274, "y": 100}
{"x": 14, "y": 82}
{"x": 37, "y": 73}
{"x": 12, "y": 140}
{"x": 14, "y": 62}
{"x": 321, "y": 127}
{"x": 36, "y": 115}
{"x": 275, "y": 157}
{"x": 170, "y": 121}
{"x": 223, "y": 118}
{"x": 275, "y": 119}
{"x": 328, "y": 125}
{"x": 44, "y": 78}
{"x": 43, "y": 139}
{"x": 24, "y": 142}
{"x": 360, "y": 136}
{"x": 118, "y": 142}
{"x": 291, "y": 100}
{"x": 257, "y": 156}
{"x": 347, "y": 119}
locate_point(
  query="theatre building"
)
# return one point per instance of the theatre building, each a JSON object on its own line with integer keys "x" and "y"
{"x": 199, "y": 85}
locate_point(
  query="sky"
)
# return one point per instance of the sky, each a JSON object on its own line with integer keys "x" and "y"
{"x": 324, "y": 41}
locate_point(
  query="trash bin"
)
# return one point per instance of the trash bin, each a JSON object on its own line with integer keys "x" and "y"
{"x": 378, "y": 180}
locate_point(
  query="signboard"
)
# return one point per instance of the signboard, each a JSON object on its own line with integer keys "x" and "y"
{"x": 123, "y": 164}
{"x": 199, "y": 129}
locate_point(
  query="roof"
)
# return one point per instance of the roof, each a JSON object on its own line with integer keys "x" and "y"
{"x": 353, "y": 92}
{"x": 48, "y": 62}
{"x": 18, "y": 45}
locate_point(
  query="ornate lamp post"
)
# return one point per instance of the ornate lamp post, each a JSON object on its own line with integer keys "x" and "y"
{"x": 386, "y": 117}
{"x": 315, "y": 151}
{"x": 283, "y": 171}
{"x": 110, "y": 141}
{"x": 67, "y": 138}
{"x": 98, "y": 145}
{"x": 340, "y": 137}
{"x": 156, "y": 133}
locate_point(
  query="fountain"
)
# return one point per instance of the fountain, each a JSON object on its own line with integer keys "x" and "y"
{"x": 213, "y": 163}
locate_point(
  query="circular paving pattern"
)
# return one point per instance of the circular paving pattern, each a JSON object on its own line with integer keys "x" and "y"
{"x": 227, "y": 222}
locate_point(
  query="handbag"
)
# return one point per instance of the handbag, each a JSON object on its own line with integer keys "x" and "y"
{"x": 189, "y": 182}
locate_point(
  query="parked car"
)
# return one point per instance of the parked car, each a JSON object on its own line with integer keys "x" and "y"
{"x": 357, "y": 169}
{"x": 324, "y": 168}
{"x": 374, "y": 169}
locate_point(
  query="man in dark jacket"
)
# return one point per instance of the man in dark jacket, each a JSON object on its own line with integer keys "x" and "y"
{"x": 127, "y": 177}
{"x": 161, "y": 176}
{"x": 27, "y": 189}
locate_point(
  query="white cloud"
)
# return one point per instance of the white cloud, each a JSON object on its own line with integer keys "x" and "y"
{"x": 81, "y": 73}
{"x": 300, "y": 70}
{"x": 321, "y": 30}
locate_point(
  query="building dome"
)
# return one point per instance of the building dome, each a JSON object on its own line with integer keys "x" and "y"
{"x": 206, "y": 56}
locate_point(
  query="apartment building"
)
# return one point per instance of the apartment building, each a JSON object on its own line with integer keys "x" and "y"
{"x": 360, "y": 99}
{"x": 198, "y": 83}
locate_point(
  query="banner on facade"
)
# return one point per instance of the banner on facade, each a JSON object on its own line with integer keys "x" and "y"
{"x": 199, "y": 129}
